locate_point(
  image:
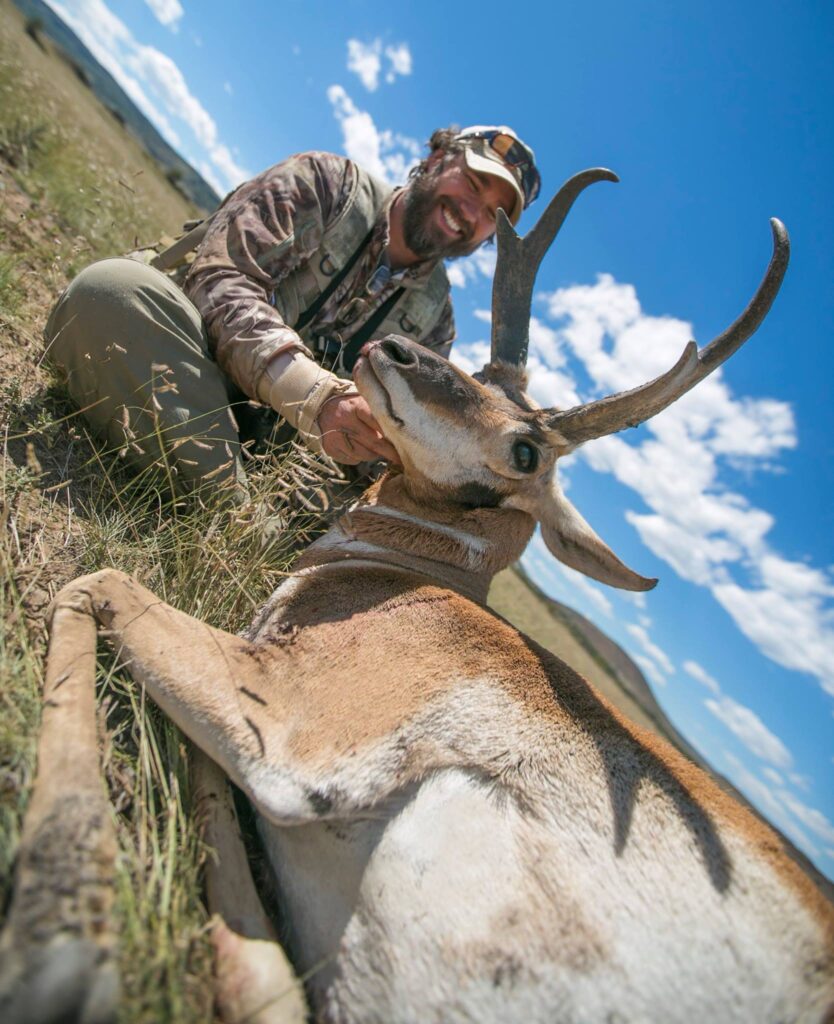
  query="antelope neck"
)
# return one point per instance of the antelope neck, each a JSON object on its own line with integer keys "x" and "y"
{"x": 389, "y": 537}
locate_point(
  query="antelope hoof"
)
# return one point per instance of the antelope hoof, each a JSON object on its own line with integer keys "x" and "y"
{"x": 253, "y": 980}
{"x": 68, "y": 981}
{"x": 57, "y": 954}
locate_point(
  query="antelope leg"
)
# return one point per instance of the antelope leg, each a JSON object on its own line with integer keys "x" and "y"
{"x": 57, "y": 953}
{"x": 254, "y": 980}
{"x": 229, "y": 697}
{"x": 193, "y": 671}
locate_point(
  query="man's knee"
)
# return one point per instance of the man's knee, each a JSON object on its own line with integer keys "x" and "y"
{"x": 95, "y": 303}
{"x": 119, "y": 311}
{"x": 103, "y": 292}
{"x": 107, "y": 281}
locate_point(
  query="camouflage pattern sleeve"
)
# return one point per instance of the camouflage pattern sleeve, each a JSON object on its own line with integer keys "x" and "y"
{"x": 263, "y": 232}
{"x": 441, "y": 338}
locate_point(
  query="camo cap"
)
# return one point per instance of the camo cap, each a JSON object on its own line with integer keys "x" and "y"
{"x": 498, "y": 151}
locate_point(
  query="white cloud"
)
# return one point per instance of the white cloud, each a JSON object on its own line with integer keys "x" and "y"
{"x": 810, "y": 817}
{"x": 227, "y": 87}
{"x": 769, "y": 803}
{"x": 710, "y": 534}
{"x": 650, "y": 669}
{"x": 399, "y": 154}
{"x": 168, "y": 12}
{"x": 471, "y": 356}
{"x": 676, "y": 545}
{"x": 650, "y": 649}
{"x": 471, "y": 268}
{"x": 773, "y": 776}
{"x": 365, "y": 61}
{"x": 385, "y": 154}
{"x": 399, "y": 61}
{"x": 794, "y": 631}
{"x": 210, "y": 174}
{"x": 168, "y": 82}
{"x": 456, "y": 275}
{"x": 751, "y": 731}
{"x": 547, "y": 345}
{"x": 634, "y": 597}
{"x": 153, "y": 81}
{"x": 361, "y": 138}
{"x": 230, "y": 170}
{"x": 701, "y": 675}
{"x": 549, "y": 387}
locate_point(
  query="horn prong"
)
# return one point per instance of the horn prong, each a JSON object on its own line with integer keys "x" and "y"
{"x": 518, "y": 263}
{"x": 630, "y": 408}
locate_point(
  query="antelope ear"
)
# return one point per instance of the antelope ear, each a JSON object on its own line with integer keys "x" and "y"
{"x": 569, "y": 537}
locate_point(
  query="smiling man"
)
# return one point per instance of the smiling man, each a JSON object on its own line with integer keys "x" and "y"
{"x": 295, "y": 271}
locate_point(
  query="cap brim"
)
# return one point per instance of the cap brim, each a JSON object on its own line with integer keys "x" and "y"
{"x": 486, "y": 165}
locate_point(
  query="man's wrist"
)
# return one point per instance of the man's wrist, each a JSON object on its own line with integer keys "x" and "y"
{"x": 298, "y": 388}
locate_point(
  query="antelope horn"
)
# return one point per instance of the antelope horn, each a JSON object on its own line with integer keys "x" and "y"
{"x": 631, "y": 408}
{"x": 517, "y": 265}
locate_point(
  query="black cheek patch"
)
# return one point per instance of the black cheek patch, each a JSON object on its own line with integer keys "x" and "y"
{"x": 320, "y": 801}
{"x": 475, "y": 495}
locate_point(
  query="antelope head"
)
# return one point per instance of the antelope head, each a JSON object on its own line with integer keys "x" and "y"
{"x": 481, "y": 442}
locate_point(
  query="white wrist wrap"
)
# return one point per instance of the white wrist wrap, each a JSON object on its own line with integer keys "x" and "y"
{"x": 297, "y": 387}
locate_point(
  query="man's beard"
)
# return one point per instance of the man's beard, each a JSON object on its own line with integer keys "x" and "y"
{"x": 420, "y": 235}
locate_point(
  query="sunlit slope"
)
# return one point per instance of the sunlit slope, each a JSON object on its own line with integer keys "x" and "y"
{"x": 611, "y": 671}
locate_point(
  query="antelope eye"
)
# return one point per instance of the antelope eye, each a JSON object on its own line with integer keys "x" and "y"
{"x": 525, "y": 457}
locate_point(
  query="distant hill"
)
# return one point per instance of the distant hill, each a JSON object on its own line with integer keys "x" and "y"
{"x": 112, "y": 96}
{"x": 611, "y": 671}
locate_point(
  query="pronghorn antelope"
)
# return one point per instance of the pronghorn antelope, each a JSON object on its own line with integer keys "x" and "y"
{"x": 460, "y": 827}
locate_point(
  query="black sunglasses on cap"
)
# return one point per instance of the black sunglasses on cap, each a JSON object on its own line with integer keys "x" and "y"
{"x": 514, "y": 154}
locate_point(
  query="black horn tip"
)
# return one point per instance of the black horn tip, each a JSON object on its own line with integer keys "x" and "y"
{"x": 590, "y": 176}
{"x": 781, "y": 238}
{"x": 503, "y": 227}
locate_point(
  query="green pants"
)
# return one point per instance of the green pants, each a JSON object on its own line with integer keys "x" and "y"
{"x": 135, "y": 354}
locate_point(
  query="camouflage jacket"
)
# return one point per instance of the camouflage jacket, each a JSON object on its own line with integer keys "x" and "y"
{"x": 266, "y": 232}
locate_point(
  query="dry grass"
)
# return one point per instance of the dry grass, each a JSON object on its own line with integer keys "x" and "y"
{"x": 74, "y": 186}
{"x": 207, "y": 563}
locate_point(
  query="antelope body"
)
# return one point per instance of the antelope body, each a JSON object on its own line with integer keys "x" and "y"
{"x": 461, "y": 828}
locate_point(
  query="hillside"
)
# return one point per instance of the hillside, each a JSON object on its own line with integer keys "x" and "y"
{"x": 76, "y": 186}
{"x": 88, "y": 71}
{"x": 585, "y": 647}
{"x": 607, "y": 666}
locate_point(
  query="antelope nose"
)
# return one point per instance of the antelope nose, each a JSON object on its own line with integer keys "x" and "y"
{"x": 398, "y": 352}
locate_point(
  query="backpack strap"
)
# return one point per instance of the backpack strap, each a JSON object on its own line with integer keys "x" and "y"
{"x": 368, "y": 331}
{"x": 175, "y": 253}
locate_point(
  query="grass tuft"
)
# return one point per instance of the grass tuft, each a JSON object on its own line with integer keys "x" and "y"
{"x": 74, "y": 186}
{"x": 11, "y": 292}
{"x": 210, "y": 563}
{"x": 21, "y": 140}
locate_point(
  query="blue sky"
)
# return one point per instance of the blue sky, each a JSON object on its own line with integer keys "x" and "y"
{"x": 716, "y": 117}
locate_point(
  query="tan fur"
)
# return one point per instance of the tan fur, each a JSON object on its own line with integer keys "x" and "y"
{"x": 377, "y": 708}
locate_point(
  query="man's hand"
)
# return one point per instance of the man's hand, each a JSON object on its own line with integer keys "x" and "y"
{"x": 350, "y": 434}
